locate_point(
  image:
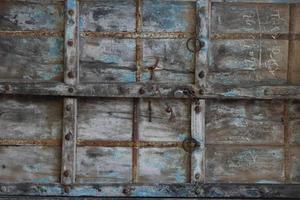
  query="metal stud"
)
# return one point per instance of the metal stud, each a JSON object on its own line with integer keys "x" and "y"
{"x": 68, "y": 137}
{"x": 70, "y": 42}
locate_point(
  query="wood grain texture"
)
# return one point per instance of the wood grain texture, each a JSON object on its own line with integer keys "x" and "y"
{"x": 103, "y": 165}
{"x": 158, "y": 165}
{"x": 295, "y": 165}
{"x": 31, "y": 15}
{"x": 104, "y": 119}
{"x": 164, "y": 125}
{"x": 107, "y": 60}
{"x": 30, "y": 118}
{"x": 175, "y": 61}
{"x": 168, "y": 16}
{"x": 249, "y": 18}
{"x": 28, "y": 164}
{"x": 294, "y": 122}
{"x": 244, "y": 164}
{"x": 107, "y": 15}
{"x": 31, "y": 59}
{"x": 244, "y": 122}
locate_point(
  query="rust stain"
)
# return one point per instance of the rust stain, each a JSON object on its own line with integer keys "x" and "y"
{"x": 137, "y": 35}
{"x": 40, "y": 33}
{"x": 54, "y": 142}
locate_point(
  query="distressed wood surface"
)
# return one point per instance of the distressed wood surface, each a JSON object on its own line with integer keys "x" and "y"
{"x": 244, "y": 164}
{"x": 244, "y": 122}
{"x": 107, "y": 60}
{"x": 294, "y": 122}
{"x": 30, "y": 118}
{"x": 31, "y": 59}
{"x": 158, "y": 165}
{"x": 26, "y": 164}
{"x": 104, "y": 119}
{"x": 103, "y": 165}
{"x": 165, "y": 126}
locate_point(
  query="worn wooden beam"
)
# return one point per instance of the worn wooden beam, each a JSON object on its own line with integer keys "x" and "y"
{"x": 68, "y": 168}
{"x": 157, "y": 190}
{"x": 143, "y": 90}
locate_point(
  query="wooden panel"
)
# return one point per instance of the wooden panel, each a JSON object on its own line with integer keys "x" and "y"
{"x": 107, "y": 60}
{"x": 106, "y": 15}
{"x": 165, "y": 125}
{"x": 244, "y": 164}
{"x": 295, "y": 61}
{"x": 294, "y": 122}
{"x": 248, "y": 62}
{"x": 168, "y": 16}
{"x": 249, "y": 18}
{"x": 30, "y": 118}
{"x": 163, "y": 166}
{"x": 244, "y": 122}
{"x": 30, "y": 15}
{"x": 105, "y": 119}
{"x": 295, "y": 164}
{"x": 32, "y": 58}
{"x": 103, "y": 165}
{"x": 175, "y": 61}
{"x": 29, "y": 164}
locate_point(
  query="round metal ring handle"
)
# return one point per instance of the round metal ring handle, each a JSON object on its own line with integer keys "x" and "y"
{"x": 197, "y": 44}
{"x": 189, "y": 145}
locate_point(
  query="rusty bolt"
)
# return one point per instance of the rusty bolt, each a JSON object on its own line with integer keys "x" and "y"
{"x": 71, "y": 90}
{"x": 168, "y": 109}
{"x": 70, "y": 43}
{"x": 142, "y": 91}
{"x": 201, "y": 74}
{"x": 197, "y": 176}
{"x": 126, "y": 191}
{"x": 71, "y": 74}
{"x": 66, "y": 173}
{"x": 68, "y": 136}
{"x": 71, "y": 12}
{"x": 201, "y": 91}
{"x": 7, "y": 87}
{"x": 67, "y": 189}
{"x": 197, "y": 109}
{"x": 3, "y": 189}
{"x": 68, "y": 107}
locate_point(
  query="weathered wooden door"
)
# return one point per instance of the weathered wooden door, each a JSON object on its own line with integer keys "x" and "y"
{"x": 173, "y": 98}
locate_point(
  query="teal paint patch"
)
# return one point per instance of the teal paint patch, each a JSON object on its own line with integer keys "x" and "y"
{"x": 231, "y": 94}
{"x": 128, "y": 77}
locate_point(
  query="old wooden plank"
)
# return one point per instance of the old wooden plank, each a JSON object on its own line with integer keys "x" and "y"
{"x": 249, "y": 18}
{"x": 31, "y": 59}
{"x": 198, "y": 133}
{"x": 71, "y": 76}
{"x": 172, "y": 61}
{"x": 170, "y": 120}
{"x": 158, "y": 190}
{"x": 135, "y": 35}
{"x": 168, "y": 16}
{"x": 29, "y": 164}
{"x": 30, "y": 118}
{"x": 107, "y": 60}
{"x": 244, "y": 164}
{"x": 107, "y": 16}
{"x": 294, "y": 165}
{"x": 104, "y": 119}
{"x": 103, "y": 165}
{"x": 160, "y": 165}
{"x": 31, "y": 15}
{"x": 294, "y": 122}
{"x": 244, "y": 122}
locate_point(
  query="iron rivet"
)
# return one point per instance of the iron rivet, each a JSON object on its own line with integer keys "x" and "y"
{"x": 3, "y": 166}
{"x": 71, "y": 90}
{"x": 71, "y": 12}
{"x": 7, "y": 87}
{"x": 126, "y": 191}
{"x": 142, "y": 91}
{"x": 201, "y": 91}
{"x": 66, "y": 173}
{"x": 67, "y": 189}
{"x": 70, "y": 43}
{"x": 197, "y": 109}
{"x": 168, "y": 109}
{"x": 68, "y": 136}
{"x": 68, "y": 107}
{"x": 197, "y": 176}
{"x": 201, "y": 74}
{"x": 71, "y": 74}
{"x": 3, "y": 189}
